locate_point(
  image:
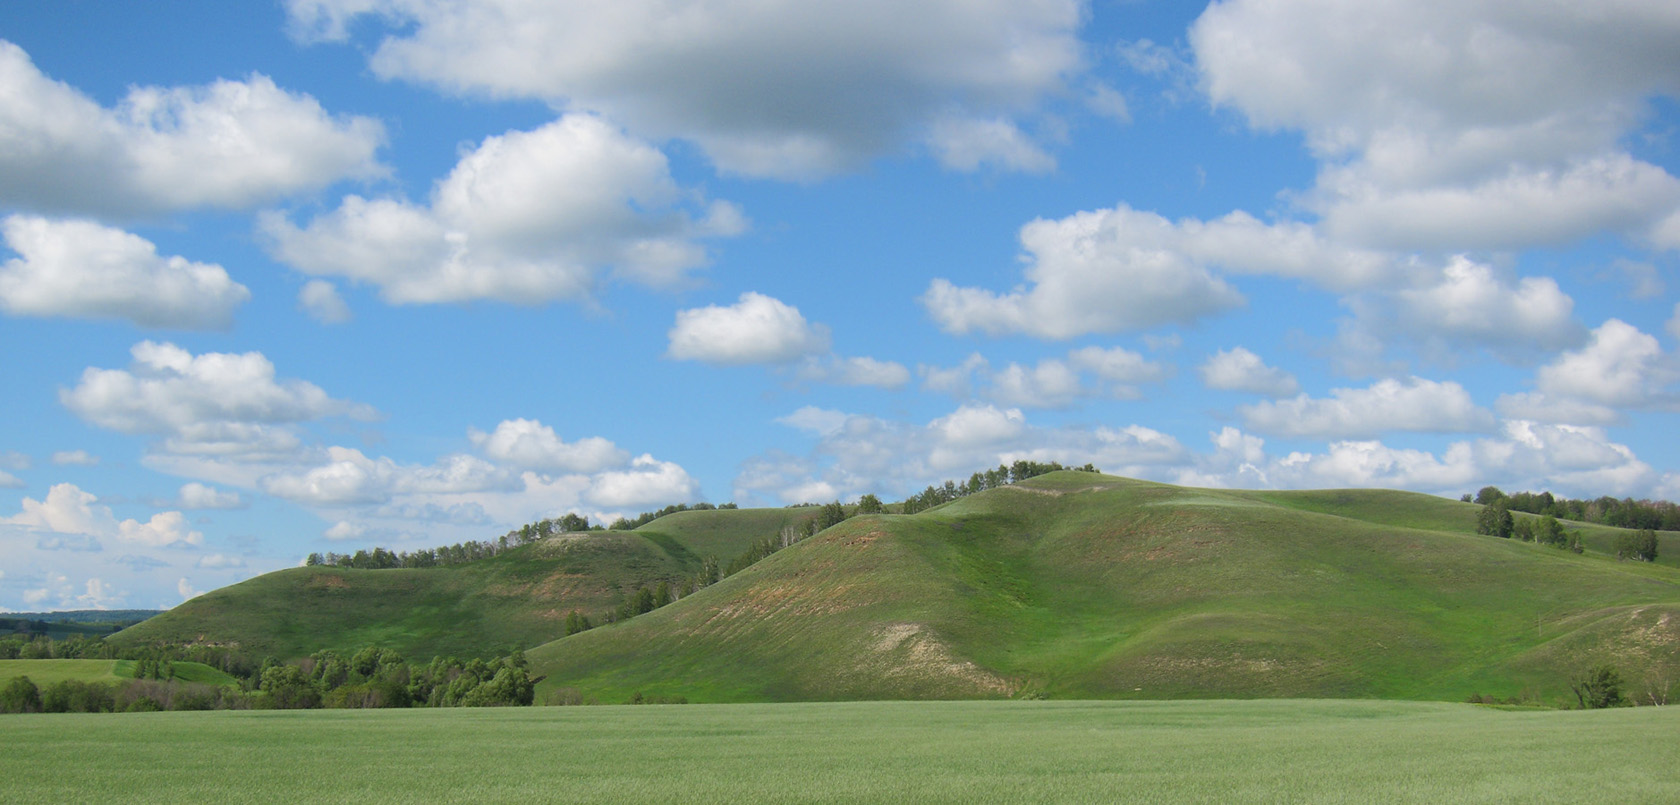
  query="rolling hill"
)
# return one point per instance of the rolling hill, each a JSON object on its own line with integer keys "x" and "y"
{"x": 519, "y": 598}
{"x": 1081, "y": 585}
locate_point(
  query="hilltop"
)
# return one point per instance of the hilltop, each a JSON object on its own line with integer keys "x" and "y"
{"x": 1082, "y": 585}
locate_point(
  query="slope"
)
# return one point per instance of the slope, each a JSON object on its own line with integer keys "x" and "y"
{"x": 1076, "y": 585}
{"x": 518, "y": 598}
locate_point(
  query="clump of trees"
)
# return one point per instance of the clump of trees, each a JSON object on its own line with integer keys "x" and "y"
{"x": 982, "y": 481}
{"x": 1640, "y": 546}
{"x": 623, "y": 524}
{"x": 1657, "y": 515}
{"x": 1597, "y": 687}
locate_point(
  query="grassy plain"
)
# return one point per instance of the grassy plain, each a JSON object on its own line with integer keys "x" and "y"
{"x": 46, "y": 672}
{"x": 1190, "y": 751}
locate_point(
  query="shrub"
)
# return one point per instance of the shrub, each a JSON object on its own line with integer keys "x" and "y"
{"x": 1597, "y": 687}
{"x": 20, "y": 696}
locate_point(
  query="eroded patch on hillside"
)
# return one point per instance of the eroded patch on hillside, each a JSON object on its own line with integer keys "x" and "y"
{"x": 910, "y": 653}
{"x": 326, "y": 581}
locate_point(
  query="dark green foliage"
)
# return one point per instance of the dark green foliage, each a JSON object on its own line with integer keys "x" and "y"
{"x": 1597, "y": 687}
{"x": 644, "y": 518}
{"x": 1524, "y": 530}
{"x": 1495, "y": 520}
{"x": 1637, "y": 545}
{"x": 1550, "y": 532}
{"x": 20, "y": 696}
{"x": 1657, "y": 515}
{"x": 1489, "y": 495}
{"x": 869, "y": 504}
{"x": 76, "y": 696}
{"x": 576, "y": 622}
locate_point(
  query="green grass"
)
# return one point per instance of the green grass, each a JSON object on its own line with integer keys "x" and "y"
{"x": 1082, "y": 586}
{"x": 484, "y": 608}
{"x": 46, "y": 672}
{"x": 1178, "y": 752}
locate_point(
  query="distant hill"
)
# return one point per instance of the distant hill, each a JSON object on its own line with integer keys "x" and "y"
{"x": 519, "y": 598}
{"x": 1081, "y": 585}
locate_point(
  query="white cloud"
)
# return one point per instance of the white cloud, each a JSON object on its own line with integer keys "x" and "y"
{"x": 1470, "y": 305}
{"x": 1238, "y": 369}
{"x": 344, "y": 530}
{"x": 227, "y": 144}
{"x": 1673, "y": 325}
{"x": 781, "y": 89}
{"x": 218, "y": 561}
{"x": 13, "y": 460}
{"x": 1539, "y": 407}
{"x": 186, "y": 590}
{"x": 858, "y": 371}
{"x": 819, "y": 421}
{"x": 1620, "y": 367}
{"x": 349, "y": 477}
{"x": 1444, "y": 127}
{"x": 321, "y": 301}
{"x": 529, "y": 444}
{"x": 756, "y": 329}
{"x": 526, "y": 217}
{"x": 171, "y": 391}
{"x": 10, "y": 481}
{"x": 68, "y": 510}
{"x": 76, "y": 458}
{"x": 82, "y": 269}
{"x": 195, "y": 495}
{"x": 1122, "y": 269}
{"x": 967, "y": 144}
{"x": 648, "y": 481}
{"x": 1051, "y": 382}
{"x": 1415, "y": 404}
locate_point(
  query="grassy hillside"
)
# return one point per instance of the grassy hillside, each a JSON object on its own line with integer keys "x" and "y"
{"x": 1078, "y": 585}
{"x": 519, "y": 598}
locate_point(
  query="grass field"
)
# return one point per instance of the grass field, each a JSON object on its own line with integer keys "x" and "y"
{"x": 46, "y": 672}
{"x": 1200, "y": 751}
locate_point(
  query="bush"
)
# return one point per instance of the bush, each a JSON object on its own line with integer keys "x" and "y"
{"x": 1597, "y": 687}
{"x": 20, "y": 696}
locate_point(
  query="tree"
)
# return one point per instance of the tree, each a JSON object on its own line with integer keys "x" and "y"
{"x": 869, "y": 504}
{"x": 1597, "y": 687}
{"x": 1489, "y": 495}
{"x": 1524, "y": 530}
{"x": 20, "y": 696}
{"x": 1495, "y": 520}
{"x": 1637, "y": 545}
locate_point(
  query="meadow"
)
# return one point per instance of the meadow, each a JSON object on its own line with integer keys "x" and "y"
{"x": 1020, "y": 751}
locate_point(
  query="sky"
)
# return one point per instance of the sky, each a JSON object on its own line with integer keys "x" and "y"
{"x": 319, "y": 275}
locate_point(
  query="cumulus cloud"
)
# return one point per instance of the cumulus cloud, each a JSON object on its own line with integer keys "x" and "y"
{"x": 321, "y": 301}
{"x": 647, "y": 481}
{"x": 67, "y": 509}
{"x": 75, "y": 458}
{"x": 195, "y": 495}
{"x": 1051, "y": 382}
{"x": 793, "y": 90}
{"x": 756, "y": 329}
{"x": 10, "y": 481}
{"x": 1470, "y": 304}
{"x": 857, "y": 371}
{"x": 84, "y": 270}
{"x": 1121, "y": 269}
{"x": 168, "y": 390}
{"x": 229, "y": 144}
{"x": 1620, "y": 367}
{"x": 1414, "y": 404}
{"x": 967, "y": 144}
{"x": 1238, "y": 369}
{"x": 1475, "y": 125}
{"x": 526, "y": 217}
{"x": 350, "y": 477}
{"x": 529, "y": 444}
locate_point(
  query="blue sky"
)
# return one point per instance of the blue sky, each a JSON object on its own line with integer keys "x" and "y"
{"x": 326, "y": 274}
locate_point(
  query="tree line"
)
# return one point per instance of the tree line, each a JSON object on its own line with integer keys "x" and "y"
{"x": 368, "y": 678}
{"x": 982, "y": 481}
{"x": 1639, "y": 543}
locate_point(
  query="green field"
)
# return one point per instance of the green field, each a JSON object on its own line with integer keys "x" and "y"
{"x": 46, "y": 672}
{"x": 1231, "y": 751}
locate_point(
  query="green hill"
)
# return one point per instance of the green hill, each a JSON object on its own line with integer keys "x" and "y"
{"x": 1080, "y": 585}
{"x": 519, "y": 598}
{"x": 46, "y": 672}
